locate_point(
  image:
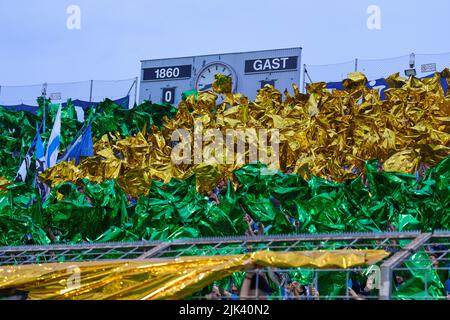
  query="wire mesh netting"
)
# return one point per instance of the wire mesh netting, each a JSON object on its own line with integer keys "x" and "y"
{"x": 13, "y": 95}
{"x": 92, "y": 91}
{"x": 424, "y": 64}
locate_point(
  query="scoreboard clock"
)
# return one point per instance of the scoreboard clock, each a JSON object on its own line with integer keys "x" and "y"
{"x": 205, "y": 77}
{"x": 164, "y": 80}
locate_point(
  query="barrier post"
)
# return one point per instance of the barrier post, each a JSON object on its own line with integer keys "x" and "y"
{"x": 304, "y": 75}
{"x": 135, "y": 90}
{"x": 90, "y": 94}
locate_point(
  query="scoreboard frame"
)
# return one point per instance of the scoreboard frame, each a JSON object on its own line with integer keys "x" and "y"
{"x": 164, "y": 80}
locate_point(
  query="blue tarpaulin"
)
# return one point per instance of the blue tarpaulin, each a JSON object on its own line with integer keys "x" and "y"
{"x": 22, "y": 107}
{"x": 124, "y": 102}
{"x": 381, "y": 85}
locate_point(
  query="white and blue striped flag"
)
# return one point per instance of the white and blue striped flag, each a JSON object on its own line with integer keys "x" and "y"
{"x": 22, "y": 173}
{"x": 53, "y": 143}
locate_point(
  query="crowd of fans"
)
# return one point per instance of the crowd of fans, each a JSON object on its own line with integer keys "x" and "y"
{"x": 255, "y": 286}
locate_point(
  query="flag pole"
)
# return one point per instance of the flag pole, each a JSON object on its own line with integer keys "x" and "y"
{"x": 44, "y": 96}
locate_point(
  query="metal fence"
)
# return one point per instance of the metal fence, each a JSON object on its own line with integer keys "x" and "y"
{"x": 425, "y": 64}
{"x": 90, "y": 91}
{"x": 404, "y": 248}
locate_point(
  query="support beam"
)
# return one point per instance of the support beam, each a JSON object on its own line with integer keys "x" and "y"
{"x": 396, "y": 259}
{"x": 154, "y": 251}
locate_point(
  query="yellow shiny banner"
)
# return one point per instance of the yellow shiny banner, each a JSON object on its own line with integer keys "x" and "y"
{"x": 172, "y": 278}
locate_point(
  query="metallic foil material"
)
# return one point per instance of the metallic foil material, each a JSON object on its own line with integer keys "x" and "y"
{"x": 168, "y": 278}
{"x": 323, "y": 133}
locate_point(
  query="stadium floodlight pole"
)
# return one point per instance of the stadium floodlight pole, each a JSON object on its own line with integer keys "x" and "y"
{"x": 412, "y": 62}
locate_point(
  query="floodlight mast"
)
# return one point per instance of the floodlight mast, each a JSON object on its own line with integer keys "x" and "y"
{"x": 412, "y": 62}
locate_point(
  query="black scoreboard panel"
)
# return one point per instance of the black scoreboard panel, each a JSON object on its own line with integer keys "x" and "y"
{"x": 164, "y": 80}
{"x": 168, "y": 95}
{"x": 167, "y": 73}
{"x": 271, "y": 64}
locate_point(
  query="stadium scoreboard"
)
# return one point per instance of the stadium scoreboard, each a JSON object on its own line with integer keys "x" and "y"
{"x": 164, "y": 80}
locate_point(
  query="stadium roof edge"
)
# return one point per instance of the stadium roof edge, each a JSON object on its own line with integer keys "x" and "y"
{"x": 215, "y": 54}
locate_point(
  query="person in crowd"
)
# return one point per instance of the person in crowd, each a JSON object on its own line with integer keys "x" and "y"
{"x": 13, "y": 294}
{"x": 132, "y": 201}
{"x": 82, "y": 189}
{"x": 434, "y": 260}
{"x": 282, "y": 282}
{"x": 447, "y": 286}
{"x": 232, "y": 293}
{"x": 421, "y": 170}
{"x": 213, "y": 197}
{"x": 53, "y": 234}
{"x": 398, "y": 280}
{"x": 254, "y": 228}
{"x": 314, "y": 293}
{"x": 297, "y": 291}
{"x": 365, "y": 181}
{"x": 285, "y": 286}
{"x": 354, "y": 295}
{"x": 28, "y": 239}
{"x": 289, "y": 170}
{"x": 394, "y": 243}
{"x": 380, "y": 166}
{"x": 301, "y": 292}
{"x": 295, "y": 223}
{"x": 214, "y": 295}
{"x": 255, "y": 286}
{"x": 216, "y": 191}
{"x": 359, "y": 287}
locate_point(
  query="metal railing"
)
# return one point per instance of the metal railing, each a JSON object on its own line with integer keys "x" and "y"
{"x": 401, "y": 245}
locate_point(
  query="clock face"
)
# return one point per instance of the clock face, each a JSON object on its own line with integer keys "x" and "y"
{"x": 206, "y": 78}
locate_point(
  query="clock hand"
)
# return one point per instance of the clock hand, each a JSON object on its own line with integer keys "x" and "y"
{"x": 206, "y": 87}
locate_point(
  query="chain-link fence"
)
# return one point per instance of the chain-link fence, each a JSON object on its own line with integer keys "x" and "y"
{"x": 84, "y": 91}
{"x": 424, "y": 64}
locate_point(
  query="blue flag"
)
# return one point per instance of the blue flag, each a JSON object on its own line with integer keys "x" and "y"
{"x": 40, "y": 155}
{"x": 82, "y": 147}
{"x": 40, "y": 165}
